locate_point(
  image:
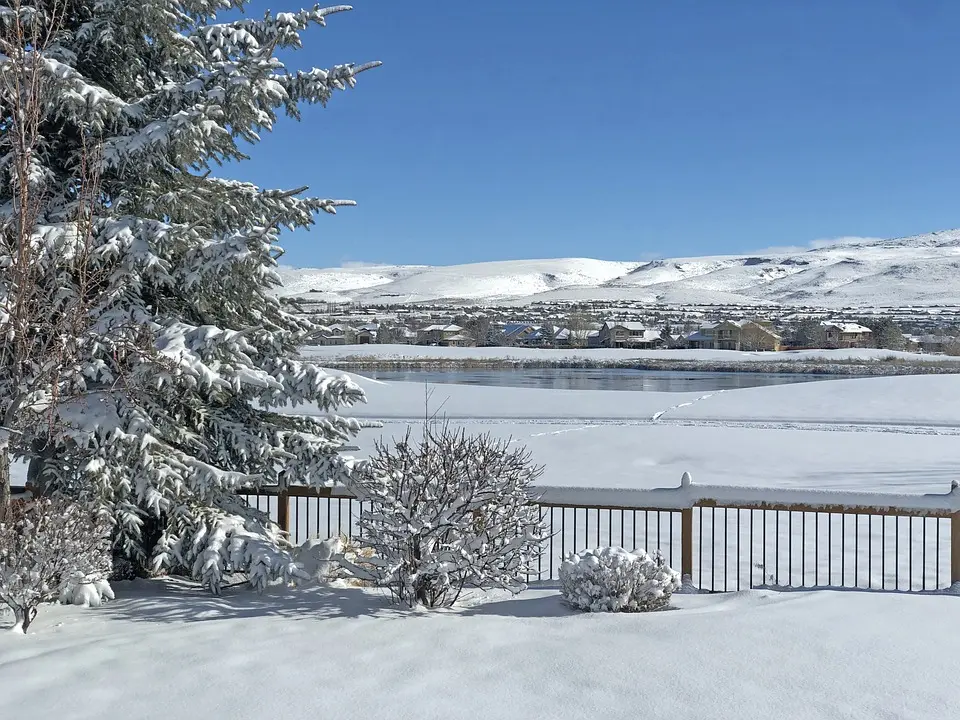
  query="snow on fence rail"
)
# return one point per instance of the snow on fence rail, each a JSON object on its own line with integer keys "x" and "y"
{"x": 722, "y": 538}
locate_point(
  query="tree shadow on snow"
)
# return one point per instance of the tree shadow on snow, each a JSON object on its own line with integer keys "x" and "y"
{"x": 530, "y": 604}
{"x": 175, "y": 601}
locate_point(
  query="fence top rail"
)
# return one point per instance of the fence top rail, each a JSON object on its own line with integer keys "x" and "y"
{"x": 690, "y": 494}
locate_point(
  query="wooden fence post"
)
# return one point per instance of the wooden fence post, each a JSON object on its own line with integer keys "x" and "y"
{"x": 955, "y": 548}
{"x": 686, "y": 534}
{"x": 686, "y": 543}
{"x": 283, "y": 510}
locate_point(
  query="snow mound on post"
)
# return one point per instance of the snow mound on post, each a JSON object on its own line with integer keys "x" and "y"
{"x": 612, "y": 579}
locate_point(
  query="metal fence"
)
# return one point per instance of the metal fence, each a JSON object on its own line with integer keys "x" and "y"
{"x": 721, "y": 538}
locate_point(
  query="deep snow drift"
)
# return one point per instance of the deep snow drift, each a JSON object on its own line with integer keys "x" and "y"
{"x": 920, "y": 270}
{"x": 164, "y": 651}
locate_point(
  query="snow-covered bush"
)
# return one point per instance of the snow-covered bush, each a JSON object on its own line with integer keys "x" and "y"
{"x": 48, "y": 547}
{"x": 447, "y": 512}
{"x": 316, "y": 557}
{"x": 86, "y": 593}
{"x": 611, "y": 579}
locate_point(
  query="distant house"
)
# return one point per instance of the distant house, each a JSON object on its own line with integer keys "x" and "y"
{"x": 750, "y": 335}
{"x": 327, "y": 335}
{"x": 458, "y": 340}
{"x": 367, "y": 334}
{"x": 616, "y": 334}
{"x": 527, "y": 334}
{"x": 948, "y": 344}
{"x": 404, "y": 336}
{"x": 703, "y": 338}
{"x": 735, "y": 335}
{"x": 846, "y": 335}
{"x": 446, "y": 335}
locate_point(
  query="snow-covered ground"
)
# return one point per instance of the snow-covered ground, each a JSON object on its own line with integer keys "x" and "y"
{"x": 878, "y": 434}
{"x": 165, "y": 651}
{"x": 426, "y": 352}
{"x": 860, "y": 272}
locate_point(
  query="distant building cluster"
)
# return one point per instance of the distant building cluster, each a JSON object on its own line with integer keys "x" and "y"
{"x": 756, "y": 335}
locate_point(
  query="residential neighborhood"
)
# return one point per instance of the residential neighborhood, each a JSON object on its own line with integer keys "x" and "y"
{"x": 745, "y": 334}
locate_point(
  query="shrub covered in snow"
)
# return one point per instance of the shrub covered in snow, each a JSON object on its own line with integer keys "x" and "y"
{"x": 86, "y": 593}
{"x": 612, "y": 579}
{"x": 316, "y": 557}
{"x": 447, "y": 512}
{"x": 48, "y": 547}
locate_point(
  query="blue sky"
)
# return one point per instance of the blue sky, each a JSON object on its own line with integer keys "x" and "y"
{"x": 623, "y": 130}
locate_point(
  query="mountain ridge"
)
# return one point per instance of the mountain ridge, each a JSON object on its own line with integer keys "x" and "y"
{"x": 856, "y": 272}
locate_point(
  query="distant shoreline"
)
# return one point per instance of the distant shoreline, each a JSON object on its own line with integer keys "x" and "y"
{"x": 880, "y": 368}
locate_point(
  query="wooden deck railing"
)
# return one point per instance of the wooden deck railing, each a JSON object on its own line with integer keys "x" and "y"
{"x": 725, "y": 538}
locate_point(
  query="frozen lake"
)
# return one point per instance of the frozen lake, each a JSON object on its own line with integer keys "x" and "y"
{"x": 598, "y": 379}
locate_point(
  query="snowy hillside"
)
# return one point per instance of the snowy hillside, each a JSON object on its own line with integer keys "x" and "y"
{"x": 920, "y": 270}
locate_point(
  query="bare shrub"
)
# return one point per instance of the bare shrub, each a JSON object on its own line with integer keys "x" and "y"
{"x": 447, "y": 512}
{"x": 46, "y": 545}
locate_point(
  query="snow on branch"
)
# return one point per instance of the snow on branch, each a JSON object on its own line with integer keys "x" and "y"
{"x": 448, "y": 512}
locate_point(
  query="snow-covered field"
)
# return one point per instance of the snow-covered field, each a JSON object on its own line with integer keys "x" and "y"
{"x": 920, "y": 270}
{"x": 879, "y": 434}
{"x": 426, "y": 352}
{"x": 165, "y": 651}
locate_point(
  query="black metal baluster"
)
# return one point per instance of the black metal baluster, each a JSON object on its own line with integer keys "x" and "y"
{"x": 883, "y": 552}
{"x": 829, "y": 549}
{"x": 776, "y": 547}
{"x": 856, "y": 550}
{"x": 803, "y": 549}
{"x": 816, "y": 549}
{"x": 896, "y": 551}
{"x": 789, "y": 549}
{"x": 843, "y": 550}
{"x": 672, "y": 537}
{"x": 713, "y": 548}
{"x": 575, "y": 548}
{"x": 910, "y": 555}
{"x": 751, "y": 547}
{"x": 938, "y": 554}
{"x": 726, "y": 549}
{"x": 563, "y": 532}
{"x": 659, "y": 542}
{"x": 923, "y": 539}
{"x": 763, "y": 580}
{"x": 551, "y": 540}
{"x": 738, "y": 549}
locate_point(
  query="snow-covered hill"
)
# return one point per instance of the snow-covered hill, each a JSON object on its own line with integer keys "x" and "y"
{"x": 919, "y": 270}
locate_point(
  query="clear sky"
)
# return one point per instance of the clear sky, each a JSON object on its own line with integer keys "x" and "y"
{"x": 624, "y": 129}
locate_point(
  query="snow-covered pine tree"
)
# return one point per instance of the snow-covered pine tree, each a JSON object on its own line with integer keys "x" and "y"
{"x": 187, "y": 388}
